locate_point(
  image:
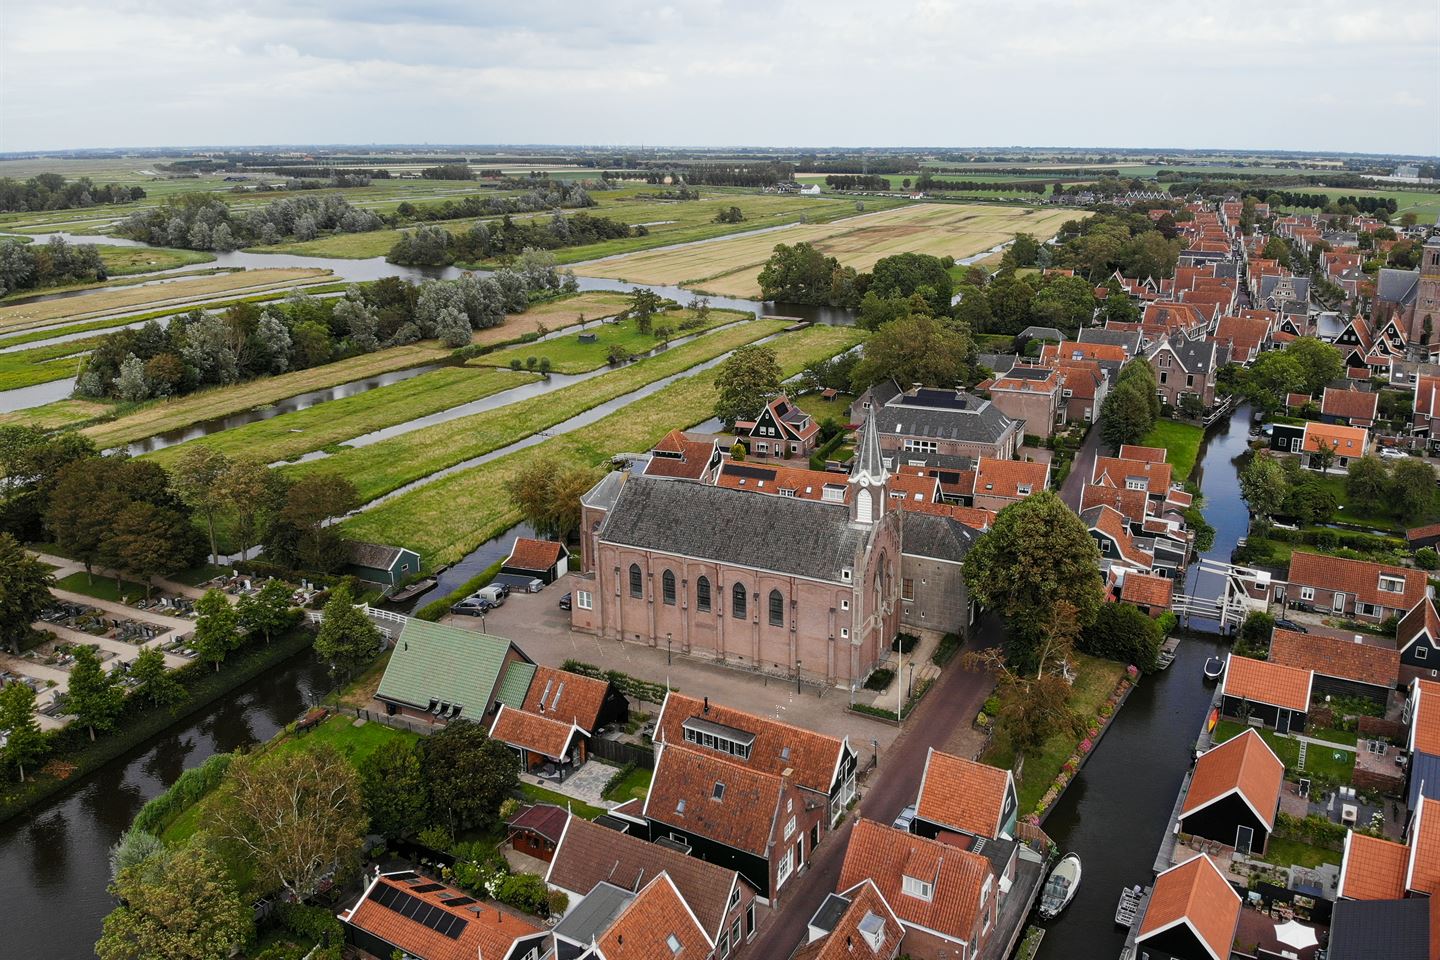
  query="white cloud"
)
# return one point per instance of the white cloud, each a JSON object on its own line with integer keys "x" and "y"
{"x": 1314, "y": 75}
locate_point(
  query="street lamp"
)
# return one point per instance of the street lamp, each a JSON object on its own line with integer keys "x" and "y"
{"x": 482, "y": 622}
{"x": 798, "y": 661}
{"x": 667, "y": 649}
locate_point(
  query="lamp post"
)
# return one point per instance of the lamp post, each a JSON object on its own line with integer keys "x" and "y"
{"x": 482, "y": 622}
{"x": 667, "y": 649}
{"x": 797, "y": 674}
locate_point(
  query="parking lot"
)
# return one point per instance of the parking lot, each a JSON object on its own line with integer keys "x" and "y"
{"x": 537, "y": 624}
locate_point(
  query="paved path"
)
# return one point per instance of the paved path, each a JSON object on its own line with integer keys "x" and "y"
{"x": 64, "y": 567}
{"x": 1081, "y": 469}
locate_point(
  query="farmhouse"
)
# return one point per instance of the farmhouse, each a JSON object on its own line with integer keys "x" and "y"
{"x": 1257, "y": 690}
{"x": 781, "y": 430}
{"x": 1234, "y": 793}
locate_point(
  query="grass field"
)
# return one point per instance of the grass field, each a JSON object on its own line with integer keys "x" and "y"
{"x": 25, "y": 316}
{"x": 822, "y": 410}
{"x": 426, "y": 519}
{"x": 1181, "y": 440}
{"x": 568, "y": 355}
{"x": 381, "y": 467}
{"x": 315, "y": 428}
{"x": 1334, "y": 765}
{"x": 732, "y": 267}
{"x": 61, "y": 413}
{"x": 1376, "y": 518}
{"x": 633, "y": 786}
{"x": 1425, "y": 204}
{"x": 123, "y": 261}
{"x": 101, "y": 588}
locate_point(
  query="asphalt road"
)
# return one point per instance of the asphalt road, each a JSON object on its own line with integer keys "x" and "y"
{"x": 1081, "y": 469}
{"x": 953, "y": 701}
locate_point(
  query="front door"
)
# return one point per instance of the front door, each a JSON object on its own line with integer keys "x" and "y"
{"x": 1282, "y": 722}
{"x": 1338, "y": 603}
{"x": 1244, "y": 838}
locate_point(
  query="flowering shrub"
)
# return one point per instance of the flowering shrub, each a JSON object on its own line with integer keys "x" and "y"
{"x": 1132, "y": 671}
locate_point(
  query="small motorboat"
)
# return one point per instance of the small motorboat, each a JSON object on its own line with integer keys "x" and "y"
{"x": 1060, "y": 888}
{"x": 1214, "y": 668}
{"x": 1129, "y": 907}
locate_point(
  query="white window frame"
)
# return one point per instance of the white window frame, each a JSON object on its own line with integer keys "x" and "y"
{"x": 917, "y": 888}
{"x": 783, "y": 866}
{"x": 1307, "y": 593}
{"x": 583, "y": 600}
{"x": 1399, "y": 583}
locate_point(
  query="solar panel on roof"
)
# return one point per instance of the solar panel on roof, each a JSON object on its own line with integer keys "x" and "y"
{"x": 756, "y": 473}
{"x": 407, "y": 875}
{"x": 428, "y": 914}
{"x": 428, "y": 887}
{"x": 409, "y": 907}
{"x": 459, "y": 901}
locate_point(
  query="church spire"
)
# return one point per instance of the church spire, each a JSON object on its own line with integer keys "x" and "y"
{"x": 868, "y": 475}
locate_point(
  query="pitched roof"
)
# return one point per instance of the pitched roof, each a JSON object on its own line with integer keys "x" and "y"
{"x": 1116, "y": 471}
{"x": 1393, "y": 929}
{"x": 451, "y": 665}
{"x": 1196, "y": 895}
{"x": 1425, "y": 717}
{"x": 1243, "y": 765}
{"x": 1147, "y": 591}
{"x": 374, "y": 555}
{"x": 1345, "y": 441}
{"x": 653, "y": 925}
{"x": 684, "y": 793}
{"x": 1352, "y": 404}
{"x": 678, "y": 455}
{"x": 545, "y": 819}
{"x": 886, "y": 856}
{"x": 962, "y": 794}
{"x": 946, "y": 534}
{"x": 1418, "y": 533}
{"x": 533, "y": 732}
{"x": 490, "y": 932}
{"x": 780, "y": 480}
{"x": 1359, "y": 578}
{"x": 1422, "y": 618}
{"x": 562, "y": 695}
{"x": 1423, "y": 871}
{"x": 1006, "y": 478}
{"x": 1194, "y": 356}
{"x": 1133, "y": 505}
{"x": 802, "y": 537}
{"x": 1270, "y": 683}
{"x": 942, "y": 415}
{"x": 537, "y": 555}
{"x": 866, "y": 915}
{"x": 1134, "y": 451}
{"x": 1333, "y": 657}
{"x": 589, "y": 854}
{"x": 1108, "y": 521}
{"x": 812, "y": 758}
{"x": 1372, "y": 868}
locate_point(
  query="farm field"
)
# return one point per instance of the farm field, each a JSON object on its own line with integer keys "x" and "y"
{"x": 315, "y": 428}
{"x": 381, "y": 467}
{"x": 732, "y": 267}
{"x": 124, "y": 261}
{"x": 26, "y": 316}
{"x": 113, "y": 282}
{"x": 426, "y": 519}
{"x": 53, "y": 416}
{"x": 568, "y": 355}
{"x": 1425, "y": 204}
{"x": 159, "y": 416}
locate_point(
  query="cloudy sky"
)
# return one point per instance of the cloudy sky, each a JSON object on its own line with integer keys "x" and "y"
{"x": 1359, "y": 75}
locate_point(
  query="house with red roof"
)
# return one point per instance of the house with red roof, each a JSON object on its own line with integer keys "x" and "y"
{"x": 1084, "y": 384}
{"x": 613, "y": 923}
{"x": 1418, "y": 637}
{"x": 1356, "y": 588}
{"x": 1355, "y": 408}
{"x": 1233, "y": 795}
{"x": 1276, "y": 695}
{"x": 1027, "y": 393}
{"x": 1151, "y": 594}
{"x": 1118, "y": 547}
{"x": 963, "y": 796}
{"x": 1425, "y": 415}
{"x": 1192, "y": 913}
{"x": 782, "y": 430}
{"x": 404, "y": 912}
{"x": 855, "y": 924}
{"x": 544, "y": 560}
{"x": 1423, "y": 741}
{"x": 546, "y": 744}
{"x": 1342, "y": 668}
{"x": 1244, "y": 336}
{"x": 999, "y": 483}
{"x": 685, "y": 457}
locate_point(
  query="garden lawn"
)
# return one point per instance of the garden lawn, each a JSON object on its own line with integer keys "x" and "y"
{"x": 1319, "y": 761}
{"x": 568, "y": 355}
{"x": 1095, "y": 680}
{"x": 426, "y": 519}
{"x": 634, "y": 785}
{"x": 822, "y": 410}
{"x": 292, "y": 434}
{"x": 1283, "y": 853}
{"x": 533, "y": 794}
{"x": 1375, "y": 518}
{"x": 100, "y": 587}
{"x": 379, "y": 468}
{"x": 1181, "y": 440}
{"x": 340, "y": 732}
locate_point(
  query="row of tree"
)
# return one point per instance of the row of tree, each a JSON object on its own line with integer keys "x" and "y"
{"x": 30, "y": 266}
{"x": 930, "y": 183}
{"x": 549, "y": 196}
{"x": 857, "y": 181}
{"x": 1320, "y": 201}
{"x": 436, "y": 246}
{"x": 199, "y": 221}
{"x": 51, "y": 191}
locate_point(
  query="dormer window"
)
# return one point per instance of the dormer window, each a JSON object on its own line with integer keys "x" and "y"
{"x": 1392, "y": 584}
{"x": 673, "y": 942}
{"x": 719, "y": 792}
{"x": 920, "y": 889}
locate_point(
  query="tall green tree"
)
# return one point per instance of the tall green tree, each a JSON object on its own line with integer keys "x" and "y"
{"x": 149, "y": 541}
{"x": 24, "y": 743}
{"x": 1274, "y": 374}
{"x": 198, "y": 477}
{"x": 252, "y": 493}
{"x": 548, "y": 491}
{"x": 217, "y": 628}
{"x": 469, "y": 775}
{"x": 154, "y": 682}
{"x": 396, "y": 795}
{"x": 1264, "y": 485}
{"x": 1038, "y": 554}
{"x": 178, "y": 904}
{"x": 644, "y": 304}
{"x": 745, "y": 382}
{"x": 1368, "y": 481}
{"x": 1318, "y": 362}
{"x": 312, "y": 500}
{"x": 1125, "y": 415}
{"x": 904, "y": 274}
{"x": 1412, "y": 488}
{"x": 94, "y": 696}
{"x": 267, "y": 611}
{"x": 916, "y": 349}
{"x": 25, "y": 585}
{"x": 347, "y": 640}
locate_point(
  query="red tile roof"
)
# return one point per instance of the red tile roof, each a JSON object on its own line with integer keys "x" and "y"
{"x": 1373, "y": 869}
{"x": 488, "y": 932}
{"x": 652, "y": 924}
{"x": 1109, "y": 522}
{"x": 1197, "y": 895}
{"x": 1134, "y": 451}
{"x": 1147, "y": 591}
{"x": 546, "y": 819}
{"x": 1133, "y": 505}
{"x": 1113, "y": 471}
{"x": 1345, "y": 441}
{"x": 1243, "y": 765}
{"x": 1425, "y": 717}
{"x": 1016, "y": 479}
{"x": 845, "y": 941}
{"x": 779, "y": 480}
{"x": 532, "y": 732}
{"x": 1351, "y": 404}
{"x": 1333, "y": 657}
{"x": 683, "y": 794}
{"x": 1269, "y": 683}
{"x": 1358, "y": 578}
{"x": 886, "y": 856}
{"x": 1074, "y": 350}
{"x": 1418, "y": 533}
{"x": 569, "y": 697}
{"x": 537, "y": 555}
{"x": 813, "y": 759}
{"x": 963, "y": 794}
{"x": 1423, "y": 871}
{"x": 680, "y": 456}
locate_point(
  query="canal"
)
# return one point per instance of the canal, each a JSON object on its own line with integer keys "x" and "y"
{"x": 1118, "y": 808}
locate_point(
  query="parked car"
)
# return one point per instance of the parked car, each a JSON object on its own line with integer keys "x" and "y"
{"x": 1292, "y": 626}
{"x": 907, "y": 817}
{"x": 1393, "y": 453}
{"x": 494, "y": 593}
{"x": 565, "y": 602}
{"x": 472, "y": 607}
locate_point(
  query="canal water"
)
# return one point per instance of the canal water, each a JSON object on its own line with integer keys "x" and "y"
{"x": 1116, "y": 811}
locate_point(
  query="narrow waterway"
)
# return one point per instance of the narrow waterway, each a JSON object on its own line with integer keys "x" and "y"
{"x": 54, "y": 863}
{"x": 1117, "y": 810}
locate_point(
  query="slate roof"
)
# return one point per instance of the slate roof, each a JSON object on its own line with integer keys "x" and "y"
{"x": 967, "y": 418}
{"x": 998, "y": 362}
{"x": 375, "y": 555}
{"x": 1397, "y": 286}
{"x": 1333, "y": 657}
{"x": 1393, "y": 929}
{"x": 1128, "y": 340}
{"x": 782, "y": 534}
{"x": 1372, "y": 868}
{"x": 434, "y": 662}
{"x": 589, "y": 854}
{"x": 937, "y": 536}
{"x": 1269, "y": 683}
{"x": 585, "y": 921}
{"x": 962, "y": 794}
{"x": 1195, "y": 356}
{"x": 1196, "y": 895}
{"x": 1243, "y": 765}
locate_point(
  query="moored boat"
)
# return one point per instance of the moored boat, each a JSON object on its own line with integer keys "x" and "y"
{"x": 1214, "y": 668}
{"x": 1060, "y": 888}
{"x": 1129, "y": 907}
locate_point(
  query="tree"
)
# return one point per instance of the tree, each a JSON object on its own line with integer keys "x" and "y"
{"x": 150, "y": 541}
{"x": 25, "y": 585}
{"x": 904, "y": 274}
{"x": 1273, "y": 375}
{"x": 1412, "y": 488}
{"x": 745, "y": 382}
{"x": 1037, "y": 554}
{"x": 267, "y": 611}
{"x": 1121, "y": 632}
{"x": 1277, "y": 249}
{"x": 197, "y": 477}
{"x": 154, "y": 681}
{"x": 1125, "y": 415}
{"x": 452, "y": 327}
{"x": 802, "y": 274}
{"x": 1318, "y": 362}
{"x": 1064, "y": 302}
{"x": 644, "y": 304}
{"x": 95, "y": 696}
{"x": 24, "y": 743}
{"x": 250, "y": 490}
{"x": 134, "y": 847}
{"x": 1368, "y": 481}
{"x": 915, "y": 349}
{"x": 469, "y": 775}
{"x": 1032, "y": 709}
{"x": 548, "y": 492}
{"x": 312, "y": 500}
{"x": 1264, "y": 485}
{"x": 180, "y": 905}
{"x": 1057, "y": 639}
{"x": 216, "y": 627}
{"x": 298, "y": 816}
{"x": 1025, "y": 248}
{"x": 85, "y": 498}
{"x": 131, "y": 384}
{"x": 394, "y": 789}
{"x": 346, "y": 639}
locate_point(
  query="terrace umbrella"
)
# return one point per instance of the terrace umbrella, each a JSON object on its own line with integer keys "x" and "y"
{"x": 1295, "y": 934}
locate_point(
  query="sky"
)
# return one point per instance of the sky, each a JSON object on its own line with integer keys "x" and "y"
{"x": 1308, "y": 75}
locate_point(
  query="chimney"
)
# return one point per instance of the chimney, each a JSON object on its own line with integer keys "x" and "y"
{"x": 707, "y": 705}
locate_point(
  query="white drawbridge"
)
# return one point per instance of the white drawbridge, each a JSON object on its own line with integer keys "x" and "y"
{"x": 1244, "y": 590}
